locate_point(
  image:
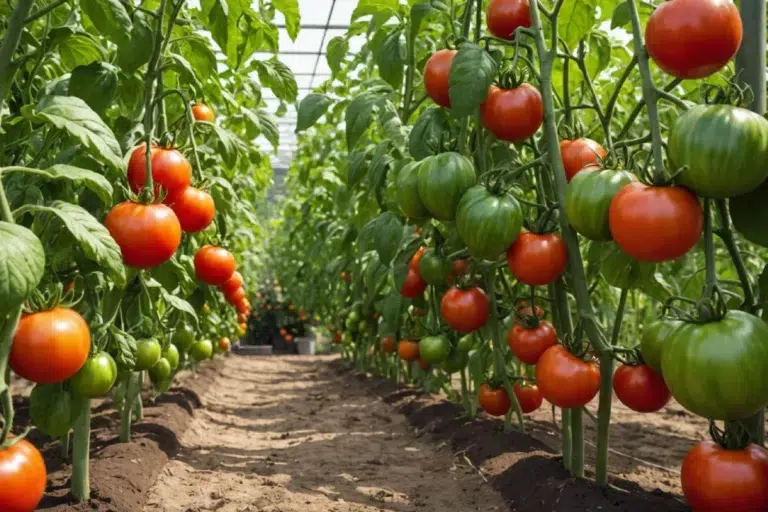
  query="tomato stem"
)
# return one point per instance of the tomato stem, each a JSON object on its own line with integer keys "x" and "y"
{"x": 751, "y": 58}
{"x": 139, "y": 403}
{"x": 6, "y": 341}
{"x": 81, "y": 487}
{"x": 64, "y": 443}
{"x": 565, "y": 432}
{"x": 577, "y": 443}
{"x": 8, "y": 47}
{"x": 726, "y": 235}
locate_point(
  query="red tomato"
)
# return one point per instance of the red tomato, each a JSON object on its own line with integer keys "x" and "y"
{"x": 655, "y": 224}
{"x": 513, "y": 115}
{"x": 194, "y": 208}
{"x": 408, "y": 350}
{"x": 50, "y": 346}
{"x": 565, "y": 380}
{"x": 337, "y": 338}
{"x": 494, "y": 401}
{"x": 202, "y": 112}
{"x": 436, "y": 74}
{"x": 504, "y": 16}
{"x": 715, "y": 479}
{"x": 22, "y": 477}
{"x": 693, "y": 38}
{"x": 147, "y": 234}
{"x": 232, "y": 284}
{"x": 413, "y": 263}
{"x": 536, "y": 259}
{"x": 529, "y": 344}
{"x": 414, "y": 285}
{"x": 581, "y": 154}
{"x": 170, "y": 169}
{"x": 387, "y": 345}
{"x": 224, "y": 344}
{"x": 640, "y": 388}
{"x": 346, "y": 276}
{"x": 529, "y": 397}
{"x": 465, "y": 310}
{"x": 214, "y": 265}
{"x": 235, "y": 297}
{"x": 459, "y": 267}
{"x": 423, "y": 364}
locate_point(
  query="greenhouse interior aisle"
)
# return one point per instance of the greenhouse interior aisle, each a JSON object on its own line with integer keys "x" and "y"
{"x": 290, "y": 434}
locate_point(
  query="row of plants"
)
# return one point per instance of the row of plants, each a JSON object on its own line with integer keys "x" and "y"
{"x": 125, "y": 129}
{"x": 554, "y": 200}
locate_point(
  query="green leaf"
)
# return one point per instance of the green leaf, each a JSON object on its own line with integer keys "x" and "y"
{"x": 77, "y": 49}
{"x": 110, "y": 18}
{"x": 138, "y": 49}
{"x": 227, "y": 142}
{"x": 377, "y": 172}
{"x": 577, "y": 19}
{"x": 374, "y": 7}
{"x": 358, "y": 116}
{"x": 79, "y": 120}
{"x": 92, "y": 237}
{"x": 336, "y": 53}
{"x": 199, "y": 54}
{"x": 269, "y": 127}
{"x": 311, "y": 108}
{"x": 52, "y": 409}
{"x": 278, "y": 77}
{"x": 356, "y": 167}
{"x": 22, "y": 264}
{"x": 623, "y": 271}
{"x": 181, "y": 305}
{"x": 182, "y": 66}
{"x": 428, "y": 132}
{"x": 621, "y": 16}
{"x": 95, "y": 84}
{"x": 391, "y": 58}
{"x": 598, "y": 54}
{"x": 382, "y": 234}
{"x": 290, "y": 10}
{"x": 122, "y": 348}
{"x": 419, "y": 11}
{"x": 97, "y": 183}
{"x": 472, "y": 74}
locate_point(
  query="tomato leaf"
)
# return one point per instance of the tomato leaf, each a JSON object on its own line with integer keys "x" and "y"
{"x": 391, "y": 123}
{"x": 383, "y": 234}
{"x": 278, "y": 77}
{"x": 138, "y": 49}
{"x": 598, "y": 54}
{"x": 621, "y": 270}
{"x": 184, "y": 69}
{"x": 290, "y": 10}
{"x": 198, "y": 53}
{"x": 390, "y": 57}
{"x": 76, "y": 49}
{"x": 428, "y": 132}
{"x": 336, "y": 52}
{"x": 110, "y": 18}
{"x": 78, "y": 119}
{"x": 374, "y": 7}
{"x": 92, "y": 237}
{"x": 122, "y": 347}
{"x": 359, "y": 116}
{"x": 228, "y": 142}
{"x": 419, "y": 11}
{"x": 356, "y": 166}
{"x": 472, "y": 74}
{"x": 578, "y": 17}
{"x": 95, "y": 84}
{"x": 180, "y": 305}
{"x": 52, "y": 409}
{"x": 377, "y": 171}
{"x": 22, "y": 264}
{"x": 311, "y": 108}
{"x": 97, "y": 183}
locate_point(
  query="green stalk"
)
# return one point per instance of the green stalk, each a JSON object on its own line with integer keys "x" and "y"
{"x": 9, "y": 45}
{"x": 126, "y": 414}
{"x": 139, "y": 402}
{"x": 577, "y": 443}
{"x": 750, "y": 61}
{"x": 65, "y": 445}
{"x": 465, "y": 398}
{"x": 81, "y": 488}
{"x": 565, "y": 421}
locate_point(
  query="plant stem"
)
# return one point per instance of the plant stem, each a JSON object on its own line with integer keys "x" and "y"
{"x": 139, "y": 402}
{"x": 64, "y": 441}
{"x": 750, "y": 61}
{"x": 726, "y": 235}
{"x": 81, "y": 488}
{"x": 709, "y": 251}
{"x": 577, "y": 443}
{"x": 565, "y": 432}
{"x": 126, "y": 414}
{"x": 9, "y": 45}
{"x": 465, "y": 398}
{"x": 45, "y": 10}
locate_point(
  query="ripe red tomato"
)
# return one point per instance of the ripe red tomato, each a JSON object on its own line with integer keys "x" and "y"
{"x": 224, "y": 344}
{"x": 202, "y": 112}
{"x": 640, "y": 388}
{"x": 337, "y": 338}
{"x": 494, "y": 401}
{"x": 465, "y": 310}
{"x": 147, "y": 234}
{"x": 504, "y": 16}
{"x": 408, "y": 350}
{"x": 244, "y": 306}
{"x": 214, "y": 265}
{"x": 655, "y": 224}
{"x": 459, "y": 267}
{"x": 529, "y": 344}
{"x": 170, "y": 169}
{"x": 345, "y": 276}
{"x": 714, "y": 478}
{"x": 22, "y": 477}
{"x": 423, "y": 364}
{"x": 436, "y": 74}
{"x": 232, "y": 284}
{"x": 50, "y": 346}
{"x": 414, "y": 285}
{"x": 415, "y": 260}
{"x": 194, "y": 208}
{"x": 579, "y": 155}
{"x": 565, "y": 380}
{"x": 529, "y": 397}
{"x": 387, "y": 345}
{"x": 235, "y": 297}
{"x": 536, "y": 259}
{"x": 513, "y": 115}
{"x": 693, "y": 38}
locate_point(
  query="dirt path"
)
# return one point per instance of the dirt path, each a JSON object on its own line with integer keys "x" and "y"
{"x": 285, "y": 434}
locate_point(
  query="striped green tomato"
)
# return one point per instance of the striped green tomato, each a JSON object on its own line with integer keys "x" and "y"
{"x": 408, "y": 193}
{"x": 588, "y": 198}
{"x": 443, "y": 179}
{"x": 488, "y": 223}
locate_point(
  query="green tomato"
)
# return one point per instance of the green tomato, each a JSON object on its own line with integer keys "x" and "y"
{"x": 457, "y": 360}
{"x": 362, "y": 326}
{"x": 172, "y": 355}
{"x": 184, "y": 337}
{"x": 467, "y": 343}
{"x": 488, "y": 223}
{"x": 433, "y": 268}
{"x": 351, "y": 325}
{"x": 443, "y": 180}
{"x": 588, "y": 198}
{"x": 719, "y": 370}
{"x": 434, "y": 349}
{"x": 96, "y": 377}
{"x": 353, "y": 316}
{"x": 347, "y": 338}
{"x": 201, "y": 350}
{"x": 622, "y": 270}
{"x": 407, "y": 192}
{"x": 161, "y": 372}
{"x": 147, "y": 354}
{"x": 724, "y": 150}
{"x": 655, "y": 336}
{"x": 750, "y": 214}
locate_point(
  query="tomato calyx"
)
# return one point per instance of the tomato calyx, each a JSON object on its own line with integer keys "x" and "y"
{"x": 52, "y": 297}
{"x": 734, "y": 437}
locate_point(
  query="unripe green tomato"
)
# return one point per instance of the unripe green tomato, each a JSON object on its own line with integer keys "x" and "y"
{"x": 347, "y": 338}
{"x": 147, "y": 354}
{"x": 172, "y": 355}
{"x": 201, "y": 350}
{"x": 362, "y": 326}
{"x": 96, "y": 377}
{"x": 161, "y": 372}
{"x": 184, "y": 337}
{"x": 351, "y": 325}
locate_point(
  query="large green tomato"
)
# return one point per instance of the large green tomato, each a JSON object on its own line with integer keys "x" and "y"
{"x": 456, "y": 361}
{"x": 655, "y": 336}
{"x": 147, "y": 354}
{"x": 434, "y": 349}
{"x": 347, "y": 338}
{"x": 351, "y": 324}
{"x": 724, "y": 150}
{"x": 750, "y": 214}
{"x": 588, "y": 198}
{"x": 488, "y": 223}
{"x": 172, "y": 355}
{"x": 433, "y": 268}
{"x": 467, "y": 343}
{"x": 184, "y": 337}
{"x": 201, "y": 350}
{"x": 408, "y": 192}
{"x": 443, "y": 179}
{"x": 96, "y": 377}
{"x": 161, "y": 372}
{"x": 719, "y": 370}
